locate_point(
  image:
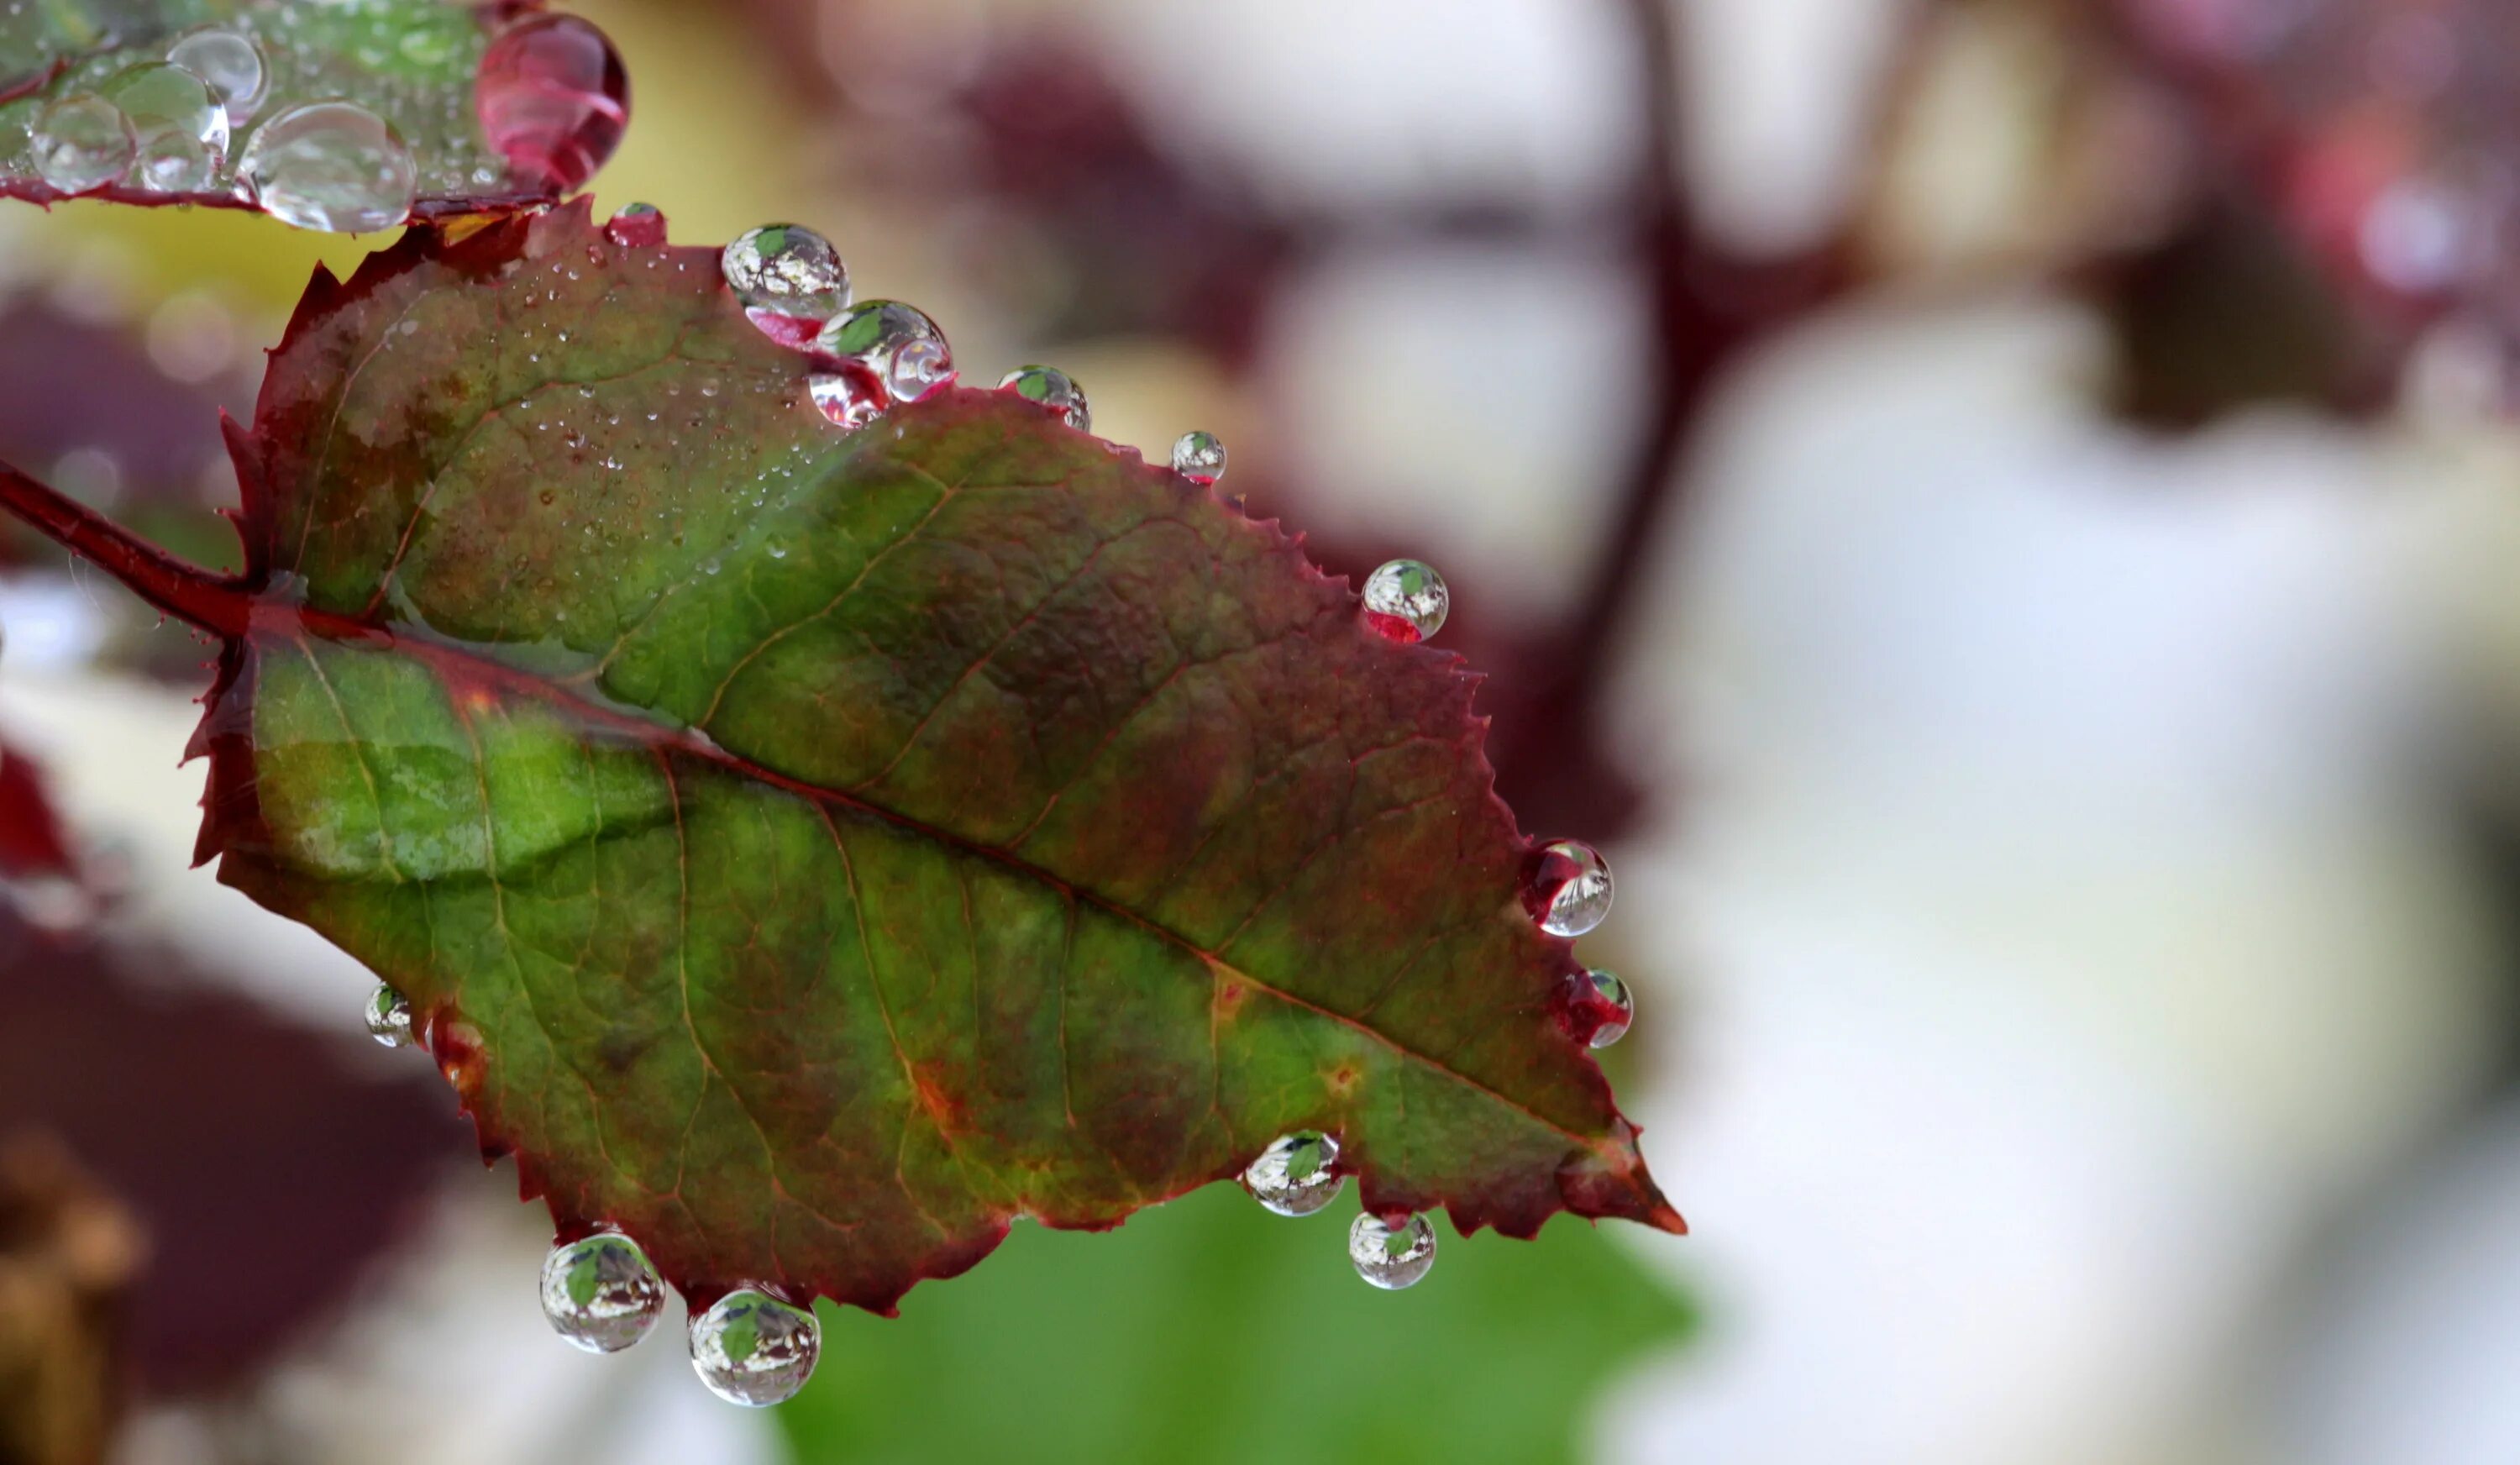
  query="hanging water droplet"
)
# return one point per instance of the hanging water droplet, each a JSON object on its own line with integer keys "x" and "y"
{"x": 179, "y": 133}
{"x": 849, "y": 394}
{"x": 1405, "y": 600}
{"x": 1391, "y": 1260}
{"x": 637, "y": 226}
{"x": 1605, "y": 993}
{"x": 899, "y": 343}
{"x": 331, "y": 165}
{"x": 1053, "y": 389}
{"x": 752, "y": 1348}
{"x": 600, "y": 1293}
{"x": 787, "y": 270}
{"x": 1297, "y": 1174}
{"x": 389, "y": 1017}
{"x": 553, "y": 100}
{"x": 228, "y": 64}
{"x": 1569, "y": 888}
{"x": 1199, "y": 457}
{"x": 81, "y": 141}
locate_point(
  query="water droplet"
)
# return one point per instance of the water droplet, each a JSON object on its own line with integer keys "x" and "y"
{"x": 1405, "y": 600}
{"x": 787, "y": 270}
{"x": 1569, "y": 888}
{"x": 1297, "y": 1174}
{"x": 1391, "y": 1260}
{"x": 389, "y": 1017}
{"x": 899, "y": 343}
{"x": 553, "y": 100}
{"x": 600, "y": 1293}
{"x": 752, "y": 1348}
{"x": 228, "y": 65}
{"x": 637, "y": 226}
{"x": 81, "y": 141}
{"x": 179, "y": 133}
{"x": 1605, "y": 994}
{"x": 849, "y": 394}
{"x": 1199, "y": 457}
{"x": 331, "y": 165}
{"x": 1050, "y": 388}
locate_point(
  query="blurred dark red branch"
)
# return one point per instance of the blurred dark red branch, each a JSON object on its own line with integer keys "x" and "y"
{"x": 1708, "y": 304}
{"x": 183, "y": 590}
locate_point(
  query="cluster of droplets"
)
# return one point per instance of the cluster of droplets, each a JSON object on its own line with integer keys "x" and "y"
{"x": 602, "y": 1294}
{"x": 1298, "y": 1175}
{"x": 546, "y": 105}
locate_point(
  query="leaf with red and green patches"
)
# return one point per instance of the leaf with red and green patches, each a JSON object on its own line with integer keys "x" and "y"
{"x": 810, "y": 851}
{"x": 494, "y": 104}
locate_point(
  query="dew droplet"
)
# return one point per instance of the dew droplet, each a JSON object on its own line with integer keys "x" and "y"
{"x": 752, "y": 1349}
{"x": 1199, "y": 457}
{"x": 179, "y": 134}
{"x": 228, "y": 64}
{"x": 1053, "y": 389}
{"x": 81, "y": 141}
{"x": 1405, "y": 600}
{"x": 849, "y": 394}
{"x": 637, "y": 226}
{"x": 1570, "y": 887}
{"x": 787, "y": 270}
{"x": 1605, "y": 994}
{"x": 388, "y": 1017}
{"x": 600, "y": 1293}
{"x": 901, "y": 344}
{"x": 1391, "y": 1260}
{"x": 1297, "y": 1174}
{"x": 331, "y": 165}
{"x": 553, "y": 100}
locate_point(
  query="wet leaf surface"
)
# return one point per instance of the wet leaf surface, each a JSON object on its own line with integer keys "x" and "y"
{"x": 811, "y": 851}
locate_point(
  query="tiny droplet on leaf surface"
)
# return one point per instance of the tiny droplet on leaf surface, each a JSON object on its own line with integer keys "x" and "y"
{"x": 1405, "y": 600}
{"x": 1199, "y": 457}
{"x": 1606, "y": 995}
{"x": 553, "y": 100}
{"x": 81, "y": 141}
{"x": 1391, "y": 1260}
{"x": 600, "y": 1293}
{"x": 331, "y": 165}
{"x": 752, "y": 1349}
{"x": 389, "y": 1016}
{"x": 1569, "y": 888}
{"x": 228, "y": 64}
{"x": 1051, "y": 388}
{"x": 1298, "y": 1175}
{"x": 787, "y": 270}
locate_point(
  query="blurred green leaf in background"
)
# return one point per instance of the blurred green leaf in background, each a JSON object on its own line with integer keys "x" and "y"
{"x": 1209, "y": 1331}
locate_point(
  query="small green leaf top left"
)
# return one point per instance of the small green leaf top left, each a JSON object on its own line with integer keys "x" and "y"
{"x": 345, "y": 116}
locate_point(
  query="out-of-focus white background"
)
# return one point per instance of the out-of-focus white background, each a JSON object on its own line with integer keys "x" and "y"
{"x": 2054, "y": 757}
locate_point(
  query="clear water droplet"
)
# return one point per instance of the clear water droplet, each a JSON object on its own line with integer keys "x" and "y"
{"x": 1391, "y": 1260}
{"x": 787, "y": 270}
{"x": 553, "y": 100}
{"x": 229, "y": 64}
{"x": 1199, "y": 457}
{"x": 752, "y": 1349}
{"x": 1405, "y": 600}
{"x": 1297, "y": 1174}
{"x": 388, "y": 1017}
{"x": 901, "y": 344}
{"x": 600, "y": 1293}
{"x": 1605, "y": 991}
{"x": 637, "y": 226}
{"x": 331, "y": 165}
{"x": 849, "y": 394}
{"x": 1569, "y": 889}
{"x": 1053, "y": 389}
{"x": 81, "y": 141}
{"x": 179, "y": 134}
